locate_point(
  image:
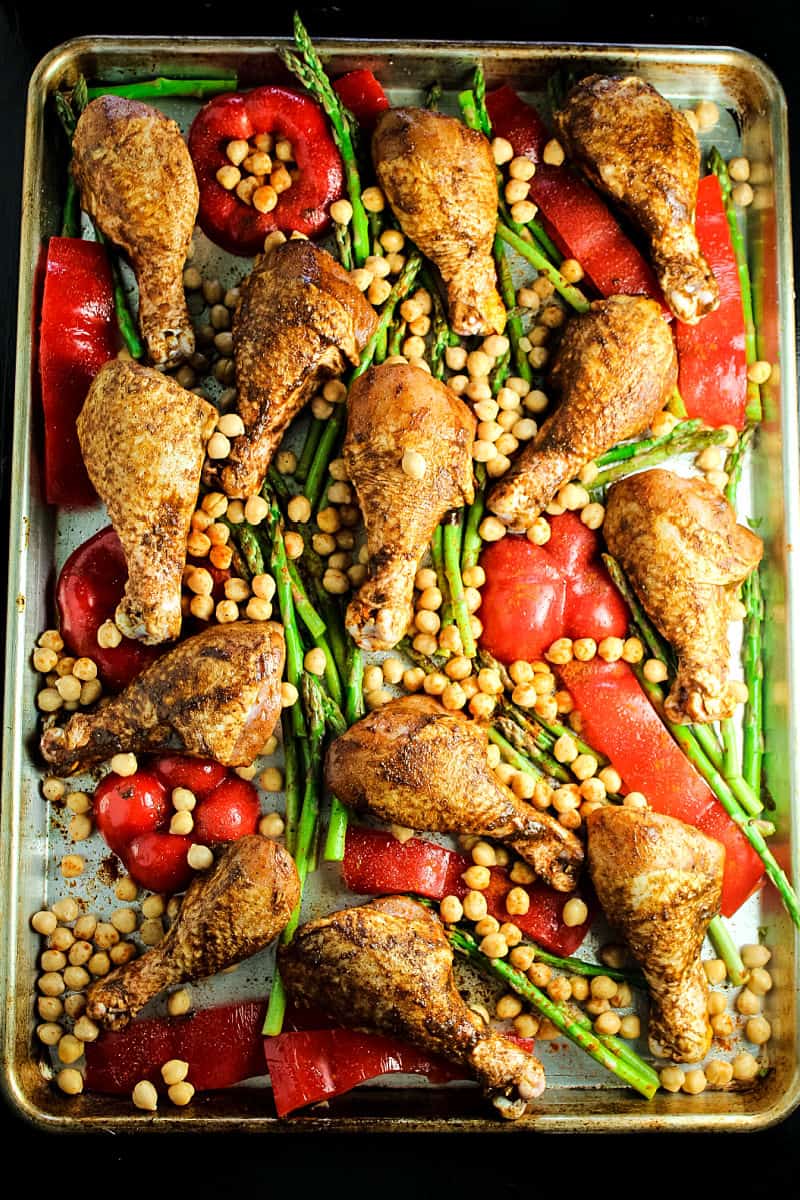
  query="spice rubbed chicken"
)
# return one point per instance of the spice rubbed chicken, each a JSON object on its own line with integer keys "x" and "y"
{"x": 215, "y": 694}
{"x": 386, "y": 967}
{"x": 414, "y": 763}
{"x": 679, "y": 544}
{"x": 396, "y": 412}
{"x": 659, "y": 882}
{"x": 615, "y": 369}
{"x": 441, "y": 181}
{"x": 300, "y": 320}
{"x": 642, "y": 152}
{"x": 227, "y": 915}
{"x": 138, "y": 183}
{"x": 143, "y": 437}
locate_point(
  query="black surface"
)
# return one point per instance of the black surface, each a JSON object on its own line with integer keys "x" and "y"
{"x": 490, "y": 1167}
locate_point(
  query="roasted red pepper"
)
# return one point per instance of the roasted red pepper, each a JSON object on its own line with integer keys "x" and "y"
{"x": 78, "y": 333}
{"x": 620, "y": 721}
{"x": 376, "y": 863}
{"x": 712, "y": 368}
{"x": 227, "y": 220}
{"x": 222, "y": 1046}
{"x": 89, "y": 588}
{"x": 363, "y": 95}
{"x": 580, "y": 223}
{"x": 536, "y": 594}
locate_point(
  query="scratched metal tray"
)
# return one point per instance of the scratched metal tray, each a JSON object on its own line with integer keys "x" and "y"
{"x": 579, "y": 1095}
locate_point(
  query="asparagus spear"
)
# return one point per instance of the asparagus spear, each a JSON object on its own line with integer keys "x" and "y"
{"x": 609, "y": 1051}
{"x": 625, "y": 450}
{"x": 514, "y": 324}
{"x": 573, "y": 296}
{"x": 154, "y": 89}
{"x": 354, "y": 710}
{"x": 659, "y": 451}
{"x": 453, "y": 524}
{"x": 522, "y": 741}
{"x": 752, "y": 736}
{"x": 309, "y": 70}
{"x": 723, "y": 943}
{"x": 471, "y": 548}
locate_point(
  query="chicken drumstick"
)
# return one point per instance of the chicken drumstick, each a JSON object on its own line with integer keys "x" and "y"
{"x": 441, "y": 181}
{"x": 678, "y": 541}
{"x": 616, "y": 367}
{"x": 143, "y": 438}
{"x": 386, "y": 967}
{"x": 138, "y": 183}
{"x": 641, "y": 151}
{"x": 300, "y": 320}
{"x": 659, "y": 882}
{"x": 414, "y": 763}
{"x": 215, "y": 694}
{"x": 394, "y": 410}
{"x": 226, "y": 916}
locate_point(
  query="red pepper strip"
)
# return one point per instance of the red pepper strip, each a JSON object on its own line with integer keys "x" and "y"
{"x": 580, "y": 223}
{"x": 536, "y": 594}
{"x": 363, "y": 95}
{"x": 318, "y": 1064}
{"x": 227, "y": 220}
{"x": 222, "y": 1046}
{"x": 377, "y": 864}
{"x": 712, "y": 368}
{"x": 78, "y": 333}
{"x": 621, "y": 722}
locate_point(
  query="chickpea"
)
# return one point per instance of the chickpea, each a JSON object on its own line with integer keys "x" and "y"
{"x": 754, "y": 955}
{"x": 745, "y": 1067}
{"x": 758, "y": 1031}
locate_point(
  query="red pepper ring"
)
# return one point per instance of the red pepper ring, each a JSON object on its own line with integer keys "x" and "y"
{"x": 227, "y": 220}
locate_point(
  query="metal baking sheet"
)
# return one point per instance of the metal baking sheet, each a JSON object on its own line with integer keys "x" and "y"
{"x": 578, "y": 1096}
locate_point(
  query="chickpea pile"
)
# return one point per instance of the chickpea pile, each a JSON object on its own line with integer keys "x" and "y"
{"x": 258, "y": 170}
{"x": 69, "y": 683}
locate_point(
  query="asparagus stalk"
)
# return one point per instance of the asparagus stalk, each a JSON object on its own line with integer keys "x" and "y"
{"x": 471, "y": 548}
{"x": 334, "y": 424}
{"x": 514, "y": 323}
{"x": 657, "y": 453}
{"x": 309, "y": 70}
{"x": 154, "y": 89}
{"x": 344, "y": 244}
{"x": 522, "y": 741}
{"x": 512, "y": 755}
{"x": 291, "y": 633}
{"x": 573, "y": 295}
{"x": 292, "y": 780}
{"x": 725, "y": 947}
{"x": 609, "y": 1051}
{"x": 245, "y": 537}
{"x": 589, "y": 970}
{"x": 735, "y": 461}
{"x": 717, "y": 164}
{"x": 752, "y": 733}
{"x": 313, "y": 435}
{"x": 437, "y": 558}
{"x": 354, "y": 710}
{"x": 453, "y": 524}
{"x": 626, "y": 450}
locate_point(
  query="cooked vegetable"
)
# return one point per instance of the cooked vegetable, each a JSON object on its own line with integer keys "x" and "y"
{"x": 361, "y": 93}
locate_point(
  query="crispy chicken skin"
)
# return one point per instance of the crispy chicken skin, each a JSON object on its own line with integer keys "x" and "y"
{"x": 138, "y": 183}
{"x": 441, "y": 181}
{"x": 386, "y": 967}
{"x": 414, "y": 763}
{"x": 615, "y": 369}
{"x": 392, "y": 409}
{"x": 678, "y": 541}
{"x": 143, "y": 439}
{"x": 659, "y": 882}
{"x": 216, "y": 694}
{"x": 299, "y": 321}
{"x": 638, "y": 149}
{"x": 227, "y": 915}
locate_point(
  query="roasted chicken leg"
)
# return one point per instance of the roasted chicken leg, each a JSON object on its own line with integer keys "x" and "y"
{"x": 299, "y": 321}
{"x": 615, "y": 369}
{"x": 659, "y": 882}
{"x": 228, "y": 915}
{"x": 392, "y": 410}
{"x": 678, "y": 541}
{"x": 215, "y": 694}
{"x": 138, "y": 183}
{"x": 441, "y": 181}
{"x": 386, "y": 967}
{"x": 414, "y": 763}
{"x": 642, "y": 152}
{"x": 143, "y": 438}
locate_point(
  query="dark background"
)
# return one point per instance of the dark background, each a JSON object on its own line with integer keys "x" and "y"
{"x": 492, "y": 1167}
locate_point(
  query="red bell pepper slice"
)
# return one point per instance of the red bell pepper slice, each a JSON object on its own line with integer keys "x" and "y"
{"x": 620, "y": 721}
{"x": 89, "y": 588}
{"x": 222, "y": 1046}
{"x": 361, "y": 92}
{"x": 78, "y": 332}
{"x": 377, "y": 864}
{"x": 712, "y": 367}
{"x": 536, "y": 594}
{"x": 227, "y": 220}
{"x": 310, "y": 1065}
{"x": 580, "y": 223}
